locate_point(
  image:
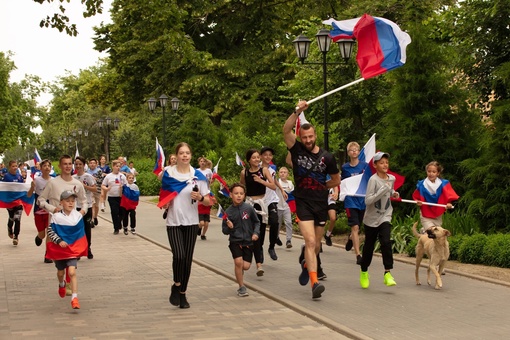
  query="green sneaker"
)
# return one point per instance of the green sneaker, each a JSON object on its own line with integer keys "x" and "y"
{"x": 364, "y": 280}
{"x": 389, "y": 280}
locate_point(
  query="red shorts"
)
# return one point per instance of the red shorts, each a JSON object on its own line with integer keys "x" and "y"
{"x": 41, "y": 221}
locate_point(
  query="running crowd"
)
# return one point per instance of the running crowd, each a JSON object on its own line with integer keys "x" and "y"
{"x": 66, "y": 208}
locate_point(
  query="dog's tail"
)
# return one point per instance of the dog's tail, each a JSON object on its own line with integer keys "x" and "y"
{"x": 415, "y": 233}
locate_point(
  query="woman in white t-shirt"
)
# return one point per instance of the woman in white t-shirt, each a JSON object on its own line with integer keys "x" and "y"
{"x": 182, "y": 220}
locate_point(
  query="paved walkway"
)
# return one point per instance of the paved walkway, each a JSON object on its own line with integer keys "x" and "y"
{"x": 124, "y": 292}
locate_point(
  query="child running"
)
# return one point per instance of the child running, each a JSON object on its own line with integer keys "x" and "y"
{"x": 242, "y": 224}
{"x": 128, "y": 203}
{"x": 68, "y": 242}
{"x": 377, "y": 219}
{"x": 433, "y": 189}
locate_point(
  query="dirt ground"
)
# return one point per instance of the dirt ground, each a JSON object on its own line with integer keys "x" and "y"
{"x": 501, "y": 274}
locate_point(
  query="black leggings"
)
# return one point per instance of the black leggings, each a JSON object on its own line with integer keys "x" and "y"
{"x": 257, "y": 245}
{"x": 274, "y": 225}
{"x": 182, "y": 240}
{"x": 115, "y": 211}
{"x": 383, "y": 232}
{"x": 126, "y": 216}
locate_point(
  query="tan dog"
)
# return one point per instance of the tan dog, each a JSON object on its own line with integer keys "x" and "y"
{"x": 434, "y": 243}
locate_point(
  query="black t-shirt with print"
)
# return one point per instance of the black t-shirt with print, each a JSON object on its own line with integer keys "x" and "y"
{"x": 313, "y": 186}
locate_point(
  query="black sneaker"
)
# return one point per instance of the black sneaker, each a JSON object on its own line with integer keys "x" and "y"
{"x": 96, "y": 221}
{"x": 90, "y": 256}
{"x": 302, "y": 255}
{"x": 304, "y": 277}
{"x": 317, "y": 290}
{"x": 358, "y": 260}
{"x": 38, "y": 241}
{"x": 321, "y": 275}
{"x": 174, "y": 295}
{"x": 47, "y": 260}
{"x": 203, "y": 237}
{"x": 183, "y": 303}
{"x": 199, "y": 232}
{"x": 116, "y": 232}
{"x": 272, "y": 254}
{"x": 279, "y": 242}
{"x": 328, "y": 240}
{"x": 289, "y": 244}
{"x": 348, "y": 245}
{"x": 125, "y": 231}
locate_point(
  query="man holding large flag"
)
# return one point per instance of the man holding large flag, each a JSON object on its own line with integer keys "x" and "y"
{"x": 311, "y": 165}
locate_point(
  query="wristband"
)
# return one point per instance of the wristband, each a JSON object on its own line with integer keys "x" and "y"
{"x": 202, "y": 199}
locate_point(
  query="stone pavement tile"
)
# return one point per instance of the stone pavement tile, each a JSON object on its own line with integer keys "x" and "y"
{"x": 123, "y": 294}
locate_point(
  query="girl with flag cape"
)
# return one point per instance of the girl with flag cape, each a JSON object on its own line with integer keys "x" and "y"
{"x": 433, "y": 189}
{"x": 182, "y": 188}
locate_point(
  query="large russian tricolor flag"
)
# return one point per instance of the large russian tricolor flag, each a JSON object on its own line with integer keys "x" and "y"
{"x": 130, "y": 198}
{"x": 171, "y": 187}
{"x": 13, "y": 194}
{"x": 381, "y": 43}
{"x": 71, "y": 230}
{"x": 224, "y": 190}
{"x": 443, "y": 194}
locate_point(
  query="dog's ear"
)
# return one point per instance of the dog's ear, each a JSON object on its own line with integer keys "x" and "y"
{"x": 447, "y": 233}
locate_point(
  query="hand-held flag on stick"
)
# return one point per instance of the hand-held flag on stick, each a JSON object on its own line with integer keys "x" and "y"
{"x": 239, "y": 161}
{"x": 160, "y": 159}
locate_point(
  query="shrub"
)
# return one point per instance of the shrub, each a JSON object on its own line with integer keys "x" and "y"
{"x": 148, "y": 183}
{"x": 455, "y": 242}
{"x": 411, "y": 247}
{"x": 497, "y": 251}
{"x": 460, "y": 223}
{"x": 471, "y": 250}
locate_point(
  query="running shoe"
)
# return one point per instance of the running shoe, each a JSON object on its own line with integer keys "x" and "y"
{"x": 317, "y": 290}
{"x": 62, "y": 291}
{"x": 329, "y": 242}
{"x": 75, "y": 303}
{"x": 242, "y": 291}
{"x": 389, "y": 280}
{"x": 364, "y": 280}
{"x": 303, "y": 277}
{"x": 348, "y": 245}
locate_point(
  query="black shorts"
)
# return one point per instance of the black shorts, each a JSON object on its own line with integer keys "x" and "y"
{"x": 308, "y": 210}
{"x": 354, "y": 216}
{"x": 246, "y": 252}
{"x": 63, "y": 264}
{"x": 204, "y": 217}
{"x": 332, "y": 206}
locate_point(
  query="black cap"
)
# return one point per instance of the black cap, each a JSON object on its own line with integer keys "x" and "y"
{"x": 266, "y": 148}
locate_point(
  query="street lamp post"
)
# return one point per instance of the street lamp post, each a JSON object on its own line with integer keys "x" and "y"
{"x": 163, "y": 101}
{"x": 302, "y": 46}
{"x": 106, "y": 124}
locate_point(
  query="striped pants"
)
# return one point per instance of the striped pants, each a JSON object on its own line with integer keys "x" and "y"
{"x": 182, "y": 240}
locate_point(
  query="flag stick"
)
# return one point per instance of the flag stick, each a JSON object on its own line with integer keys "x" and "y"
{"x": 409, "y": 201}
{"x": 333, "y": 91}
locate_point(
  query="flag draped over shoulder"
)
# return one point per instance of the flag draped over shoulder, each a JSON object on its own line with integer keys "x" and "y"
{"x": 443, "y": 194}
{"x": 357, "y": 185}
{"x": 130, "y": 198}
{"x": 381, "y": 43}
{"x": 71, "y": 230}
{"x": 171, "y": 187}
{"x": 13, "y": 194}
{"x": 160, "y": 159}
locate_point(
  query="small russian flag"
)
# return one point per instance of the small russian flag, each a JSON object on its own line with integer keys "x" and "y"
{"x": 239, "y": 161}
{"x": 221, "y": 213}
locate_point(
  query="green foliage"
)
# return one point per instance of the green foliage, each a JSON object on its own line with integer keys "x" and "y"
{"x": 497, "y": 251}
{"x": 460, "y": 223}
{"x": 411, "y": 247}
{"x": 455, "y": 242}
{"x": 471, "y": 249}
{"x": 146, "y": 180}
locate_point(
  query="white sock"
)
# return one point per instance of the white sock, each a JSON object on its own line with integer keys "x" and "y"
{"x": 328, "y": 233}
{"x": 62, "y": 284}
{"x": 74, "y": 295}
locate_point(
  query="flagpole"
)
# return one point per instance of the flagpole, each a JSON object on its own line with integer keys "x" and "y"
{"x": 409, "y": 201}
{"x": 333, "y": 91}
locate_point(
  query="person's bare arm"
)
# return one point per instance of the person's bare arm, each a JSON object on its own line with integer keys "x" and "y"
{"x": 288, "y": 135}
{"x": 334, "y": 181}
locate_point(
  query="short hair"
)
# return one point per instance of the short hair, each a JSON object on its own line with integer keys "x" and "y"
{"x": 12, "y": 162}
{"x": 351, "y": 144}
{"x": 64, "y": 157}
{"x": 44, "y": 161}
{"x": 116, "y": 162}
{"x": 237, "y": 185}
{"x": 81, "y": 159}
{"x": 93, "y": 159}
{"x": 130, "y": 175}
{"x": 307, "y": 126}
